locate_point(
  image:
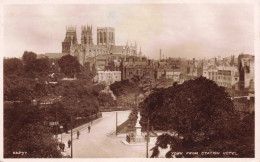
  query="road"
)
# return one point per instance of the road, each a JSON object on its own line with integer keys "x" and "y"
{"x": 99, "y": 144}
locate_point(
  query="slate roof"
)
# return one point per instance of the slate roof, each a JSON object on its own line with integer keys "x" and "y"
{"x": 54, "y": 55}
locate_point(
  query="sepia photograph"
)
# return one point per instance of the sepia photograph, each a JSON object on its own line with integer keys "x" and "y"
{"x": 139, "y": 79}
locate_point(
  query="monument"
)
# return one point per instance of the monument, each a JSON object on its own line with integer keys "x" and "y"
{"x": 134, "y": 138}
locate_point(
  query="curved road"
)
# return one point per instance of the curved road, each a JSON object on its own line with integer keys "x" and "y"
{"x": 99, "y": 144}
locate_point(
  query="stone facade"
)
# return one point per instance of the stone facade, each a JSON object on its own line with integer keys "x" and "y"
{"x": 107, "y": 77}
{"x": 87, "y": 51}
{"x": 70, "y": 39}
{"x": 246, "y": 67}
{"x": 227, "y": 76}
{"x": 137, "y": 66}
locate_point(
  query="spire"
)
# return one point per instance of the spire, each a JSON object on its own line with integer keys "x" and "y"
{"x": 140, "y": 52}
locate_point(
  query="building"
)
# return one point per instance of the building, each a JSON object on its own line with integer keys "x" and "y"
{"x": 227, "y": 76}
{"x": 107, "y": 77}
{"x": 70, "y": 39}
{"x": 137, "y": 66}
{"x": 54, "y": 55}
{"x": 212, "y": 73}
{"x": 89, "y": 52}
{"x": 246, "y": 66}
{"x": 172, "y": 74}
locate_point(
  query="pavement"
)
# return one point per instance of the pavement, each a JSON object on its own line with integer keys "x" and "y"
{"x": 100, "y": 143}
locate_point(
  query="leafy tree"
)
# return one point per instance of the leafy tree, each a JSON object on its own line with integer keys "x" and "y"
{"x": 198, "y": 113}
{"x": 69, "y": 65}
{"x": 13, "y": 66}
{"x": 123, "y": 87}
{"x": 34, "y": 67}
{"x": 37, "y": 141}
{"x": 106, "y": 97}
{"x": 24, "y": 131}
{"x": 97, "y": 88}
{"x": 29, "y": 57}
{"x": 18, "y": 88}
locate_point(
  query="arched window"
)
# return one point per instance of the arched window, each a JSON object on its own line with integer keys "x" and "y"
{"x": 101, "y": 36}
{"x": 105, "y": 38}
{"x": 85, "y": 40}
{"x": 110, "y": 37}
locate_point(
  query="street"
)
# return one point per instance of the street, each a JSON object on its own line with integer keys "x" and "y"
{"x": 100, "y": 144}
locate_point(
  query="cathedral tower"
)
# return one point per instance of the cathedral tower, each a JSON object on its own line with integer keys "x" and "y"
{"x": 106, "y": 36}
{"x": 70, "y": 39}
{"x": 86, "y": 35}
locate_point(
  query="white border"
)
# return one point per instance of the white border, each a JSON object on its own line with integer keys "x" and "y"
{"x": 256, "y": 53}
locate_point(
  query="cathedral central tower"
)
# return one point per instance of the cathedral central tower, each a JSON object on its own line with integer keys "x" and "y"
{"x": 86, "y": 35}
{"x": 106, "y": 36}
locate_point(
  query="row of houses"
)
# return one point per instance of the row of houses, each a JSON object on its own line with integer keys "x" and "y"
{"x": 232, "y": 73}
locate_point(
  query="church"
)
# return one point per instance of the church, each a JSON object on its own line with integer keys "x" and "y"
{"x": 98, "y": 54}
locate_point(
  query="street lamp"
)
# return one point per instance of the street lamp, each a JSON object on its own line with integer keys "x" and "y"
{"x": 147, "y": 139}
{"x": 61, "y": 133}
{"x": 71, "y": 136}
{"x": 116, "y": 123}
{"x": 148, "y": 124}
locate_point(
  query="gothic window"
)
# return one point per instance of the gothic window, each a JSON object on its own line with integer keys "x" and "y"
{"x": 105, "y": 39}
{"x": 85, "y": 40}
{"x": 101, "y": 39}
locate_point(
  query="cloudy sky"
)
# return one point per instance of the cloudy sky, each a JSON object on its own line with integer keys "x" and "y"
{"x": 180, "y": 30}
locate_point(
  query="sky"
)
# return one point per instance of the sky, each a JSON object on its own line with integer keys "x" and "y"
{"x": 180, "y": 30}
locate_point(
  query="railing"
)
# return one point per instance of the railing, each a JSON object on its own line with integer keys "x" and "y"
{"x": 77, "y": 122}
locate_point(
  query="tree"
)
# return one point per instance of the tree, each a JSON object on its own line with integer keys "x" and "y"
{"x": 29, "y": 57}
{"x": 198, "y": 113}
{"x": 13, "y": 66}
{"x": 36, "y": 141}
{"x": 69, "y": 65}
{"x": 97, "y": 88}
{"x": 34, "y": 67}
{"x": 106, "y": 97}
{"x": 24, "y": 131}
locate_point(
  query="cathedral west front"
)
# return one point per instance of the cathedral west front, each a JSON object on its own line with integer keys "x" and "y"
{"x": 99, "y": 54}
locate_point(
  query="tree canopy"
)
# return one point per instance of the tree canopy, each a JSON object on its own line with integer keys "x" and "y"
{"x": 24, "y": 131}
{"x": 69, "y": 65}
{"x": 39, "y": 79}
{"x": 198, "y": 113}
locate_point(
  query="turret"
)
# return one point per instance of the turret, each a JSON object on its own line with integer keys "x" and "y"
{"x": 140, "y": 52}
{"x": 70, "y": 39}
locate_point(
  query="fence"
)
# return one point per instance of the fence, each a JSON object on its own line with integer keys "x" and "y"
{"x": 76, "y": 123}
{"x": 103, "y": 109}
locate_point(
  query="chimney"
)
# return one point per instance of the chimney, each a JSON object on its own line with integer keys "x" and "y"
{"x": 160, "y": 54}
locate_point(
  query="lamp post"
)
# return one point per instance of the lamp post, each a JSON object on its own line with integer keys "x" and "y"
{"x": 61, "y": 133}
{"x": 147, "y": 140}
{"x": 71, "y": 136}
{"x": 116, "y": 123}
{"x": 148, "y": 125}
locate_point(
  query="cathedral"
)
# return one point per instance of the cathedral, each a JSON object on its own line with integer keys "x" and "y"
{"x": 99, "y": 54}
